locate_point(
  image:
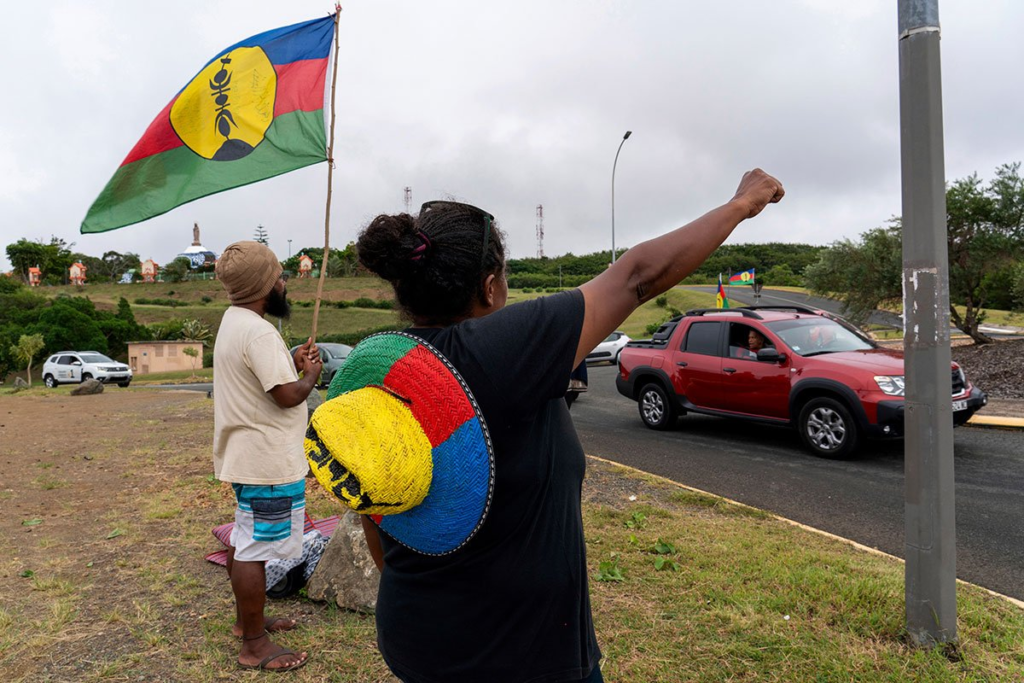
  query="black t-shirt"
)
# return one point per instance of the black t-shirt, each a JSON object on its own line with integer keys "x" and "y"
{"x": 512, "y": 605}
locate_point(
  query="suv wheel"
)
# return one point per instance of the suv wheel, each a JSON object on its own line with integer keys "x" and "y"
{"x": 86, "y": 376}
{"x": 828, "y": 428}
{"x": 50, "y": 381}
{"x": 656, "y": 410}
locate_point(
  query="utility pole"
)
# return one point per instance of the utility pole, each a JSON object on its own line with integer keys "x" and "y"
{"x": 408, "y": 199}
{"x": 540, "y": 231}
{"x": 928, "y": 418}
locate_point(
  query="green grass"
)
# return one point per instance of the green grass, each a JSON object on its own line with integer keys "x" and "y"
{"x": 176, "y": 377}
{"x": 750, "y": 598}
{"x": 679, "y": 298}
{"x": 715, "y": 610}
{"x": 346, "y": 288}
{"x": 998, "y": 317}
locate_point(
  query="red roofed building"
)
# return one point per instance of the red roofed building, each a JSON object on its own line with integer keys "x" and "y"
{"x": 150, "y": 268}
{"x": 305, "y": 266}
{"x": 76, "y": 273}
{"x": 35, "y": 277}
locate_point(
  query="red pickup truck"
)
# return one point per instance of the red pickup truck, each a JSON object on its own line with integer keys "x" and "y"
{"x": 809, "y": 369}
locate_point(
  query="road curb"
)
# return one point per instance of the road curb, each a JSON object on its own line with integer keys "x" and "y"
{"x": 847, "y": 541}
{"x": 996, "y": 422}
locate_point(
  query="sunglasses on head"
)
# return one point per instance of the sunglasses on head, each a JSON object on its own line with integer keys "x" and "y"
{"x": 488, "y": 219}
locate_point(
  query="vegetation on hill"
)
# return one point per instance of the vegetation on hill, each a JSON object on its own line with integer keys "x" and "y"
{"x": 985, "y": 238}
{"x": 777, "y": 264}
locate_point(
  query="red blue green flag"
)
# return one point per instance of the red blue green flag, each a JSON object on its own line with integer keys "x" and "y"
{"x": 744, "y": 278}
{"x": 255, "y": 111}
{"x": 721, "y": 300}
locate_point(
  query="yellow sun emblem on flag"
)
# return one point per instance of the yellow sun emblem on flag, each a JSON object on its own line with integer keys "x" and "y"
{"x": 225, "y": 111}
{"x": 745, "y": 276}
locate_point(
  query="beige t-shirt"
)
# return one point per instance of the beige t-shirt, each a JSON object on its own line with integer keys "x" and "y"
{"x": 255, "y": 441}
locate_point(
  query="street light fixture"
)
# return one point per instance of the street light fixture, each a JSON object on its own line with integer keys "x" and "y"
{"x": 289, "y": 248}
{"x": 624, "y": 138}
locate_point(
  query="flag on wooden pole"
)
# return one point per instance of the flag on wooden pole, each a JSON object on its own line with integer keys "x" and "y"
{"x": 255, "y": 111}
{"x": 721, "y": 300}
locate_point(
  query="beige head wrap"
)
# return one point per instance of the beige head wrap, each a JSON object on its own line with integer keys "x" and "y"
{"x": 249, "y": 270}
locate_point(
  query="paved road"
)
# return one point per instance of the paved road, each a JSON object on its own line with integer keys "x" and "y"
{"x": 766, "y": 467}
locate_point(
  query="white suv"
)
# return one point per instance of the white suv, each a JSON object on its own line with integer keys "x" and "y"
{"x": 78, "y": 366}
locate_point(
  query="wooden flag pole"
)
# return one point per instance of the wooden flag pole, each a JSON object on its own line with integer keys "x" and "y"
{"x": 330, "y": 180}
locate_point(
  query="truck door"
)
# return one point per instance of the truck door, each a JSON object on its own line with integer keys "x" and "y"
{"x": 750, "y": 386}
{"x": 697, "y": 364}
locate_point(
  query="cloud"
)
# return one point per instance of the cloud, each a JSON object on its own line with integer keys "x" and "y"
{"x": 513, "y": 105}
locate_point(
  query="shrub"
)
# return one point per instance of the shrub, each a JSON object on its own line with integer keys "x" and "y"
{"x": 172, "y": 303}
{"x": 661, "y": 301}
{"x": 208, "y": 359}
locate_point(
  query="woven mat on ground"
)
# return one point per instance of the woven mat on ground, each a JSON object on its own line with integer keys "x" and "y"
{"x": 325, "y": 526}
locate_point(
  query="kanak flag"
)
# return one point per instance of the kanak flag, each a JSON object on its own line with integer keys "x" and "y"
{"x": 255, "y": 111}
{"x": 744, "y": 278}
{"x": 721, "y": 300}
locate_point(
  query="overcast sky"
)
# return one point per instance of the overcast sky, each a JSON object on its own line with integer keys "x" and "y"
{"x": 511, "y": 105}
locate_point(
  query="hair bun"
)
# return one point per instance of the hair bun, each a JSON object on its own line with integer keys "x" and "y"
{"x": 385, "y": 244}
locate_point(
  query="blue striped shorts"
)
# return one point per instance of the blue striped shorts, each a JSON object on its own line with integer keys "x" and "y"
{"x": 269, "y": 521}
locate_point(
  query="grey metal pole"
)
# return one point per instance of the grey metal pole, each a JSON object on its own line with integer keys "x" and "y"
{"x": 624, "y": 138}
{"x": 929, "y": 487}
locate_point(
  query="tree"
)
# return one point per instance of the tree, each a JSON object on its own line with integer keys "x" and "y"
{"x": 116, "y": 264}
{"x": 28, "y": 347}
{"x": 177, "y": 270}
{"x": 53, "y": 259}
{"x": 864, "y": 275}
{"x": 985, "y": 234}
{"x": 192, "y": 354}
{"x": 1018, "y": 287}
{"x": 70, "y": 323}
{"x": 985, "y": 239}
{"x": 261, "y": 235}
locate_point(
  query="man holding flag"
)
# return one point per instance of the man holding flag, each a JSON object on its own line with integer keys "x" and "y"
{"x": 255, "y": 111}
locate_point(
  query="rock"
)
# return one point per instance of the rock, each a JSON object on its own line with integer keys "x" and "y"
{"x": 313, "y": 401}
{"x": 19, "y": 382}
{"x": 88, "y": 387}
{"x": 346, "y": 573}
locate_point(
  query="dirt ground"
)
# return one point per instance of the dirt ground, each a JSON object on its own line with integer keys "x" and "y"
{"x": 108, "y": 503}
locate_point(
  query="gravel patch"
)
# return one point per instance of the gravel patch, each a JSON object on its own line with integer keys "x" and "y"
{"x": 997, "y": 369}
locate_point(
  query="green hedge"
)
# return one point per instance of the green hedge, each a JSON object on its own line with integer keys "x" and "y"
{"x": 173, "y": 303}
{"x": 535, "y": 280}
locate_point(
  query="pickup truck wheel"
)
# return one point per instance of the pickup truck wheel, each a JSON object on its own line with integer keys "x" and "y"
{"x": 656, "y": 410}
{"x": 828, "y": 428}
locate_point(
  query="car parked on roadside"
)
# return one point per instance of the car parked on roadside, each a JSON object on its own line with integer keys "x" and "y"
{"x": 811, "y": 370}
{"x": 608, "y": 350}
{"x": 74, "y": 367}
{"x": 333, "y": 356}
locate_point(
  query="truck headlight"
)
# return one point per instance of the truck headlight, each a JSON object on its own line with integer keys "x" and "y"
{"x": 890, "y": 384}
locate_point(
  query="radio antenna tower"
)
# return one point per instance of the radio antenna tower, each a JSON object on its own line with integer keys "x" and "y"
{"x": 408, "y": 199}
{"x": 540, "y": 231}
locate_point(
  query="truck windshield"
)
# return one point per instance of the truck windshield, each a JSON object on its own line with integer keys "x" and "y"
{"x": 813, "y": 336}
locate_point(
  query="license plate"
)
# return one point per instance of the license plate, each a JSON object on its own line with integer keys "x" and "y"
{"x": 959, "y": 405}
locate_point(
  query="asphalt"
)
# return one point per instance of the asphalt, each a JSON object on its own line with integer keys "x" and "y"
{"x": 860, "y": 500}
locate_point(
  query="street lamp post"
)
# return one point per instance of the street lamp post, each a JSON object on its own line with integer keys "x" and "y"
{"x": 624, "y": 138}
{"x": 289, "y": 248}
